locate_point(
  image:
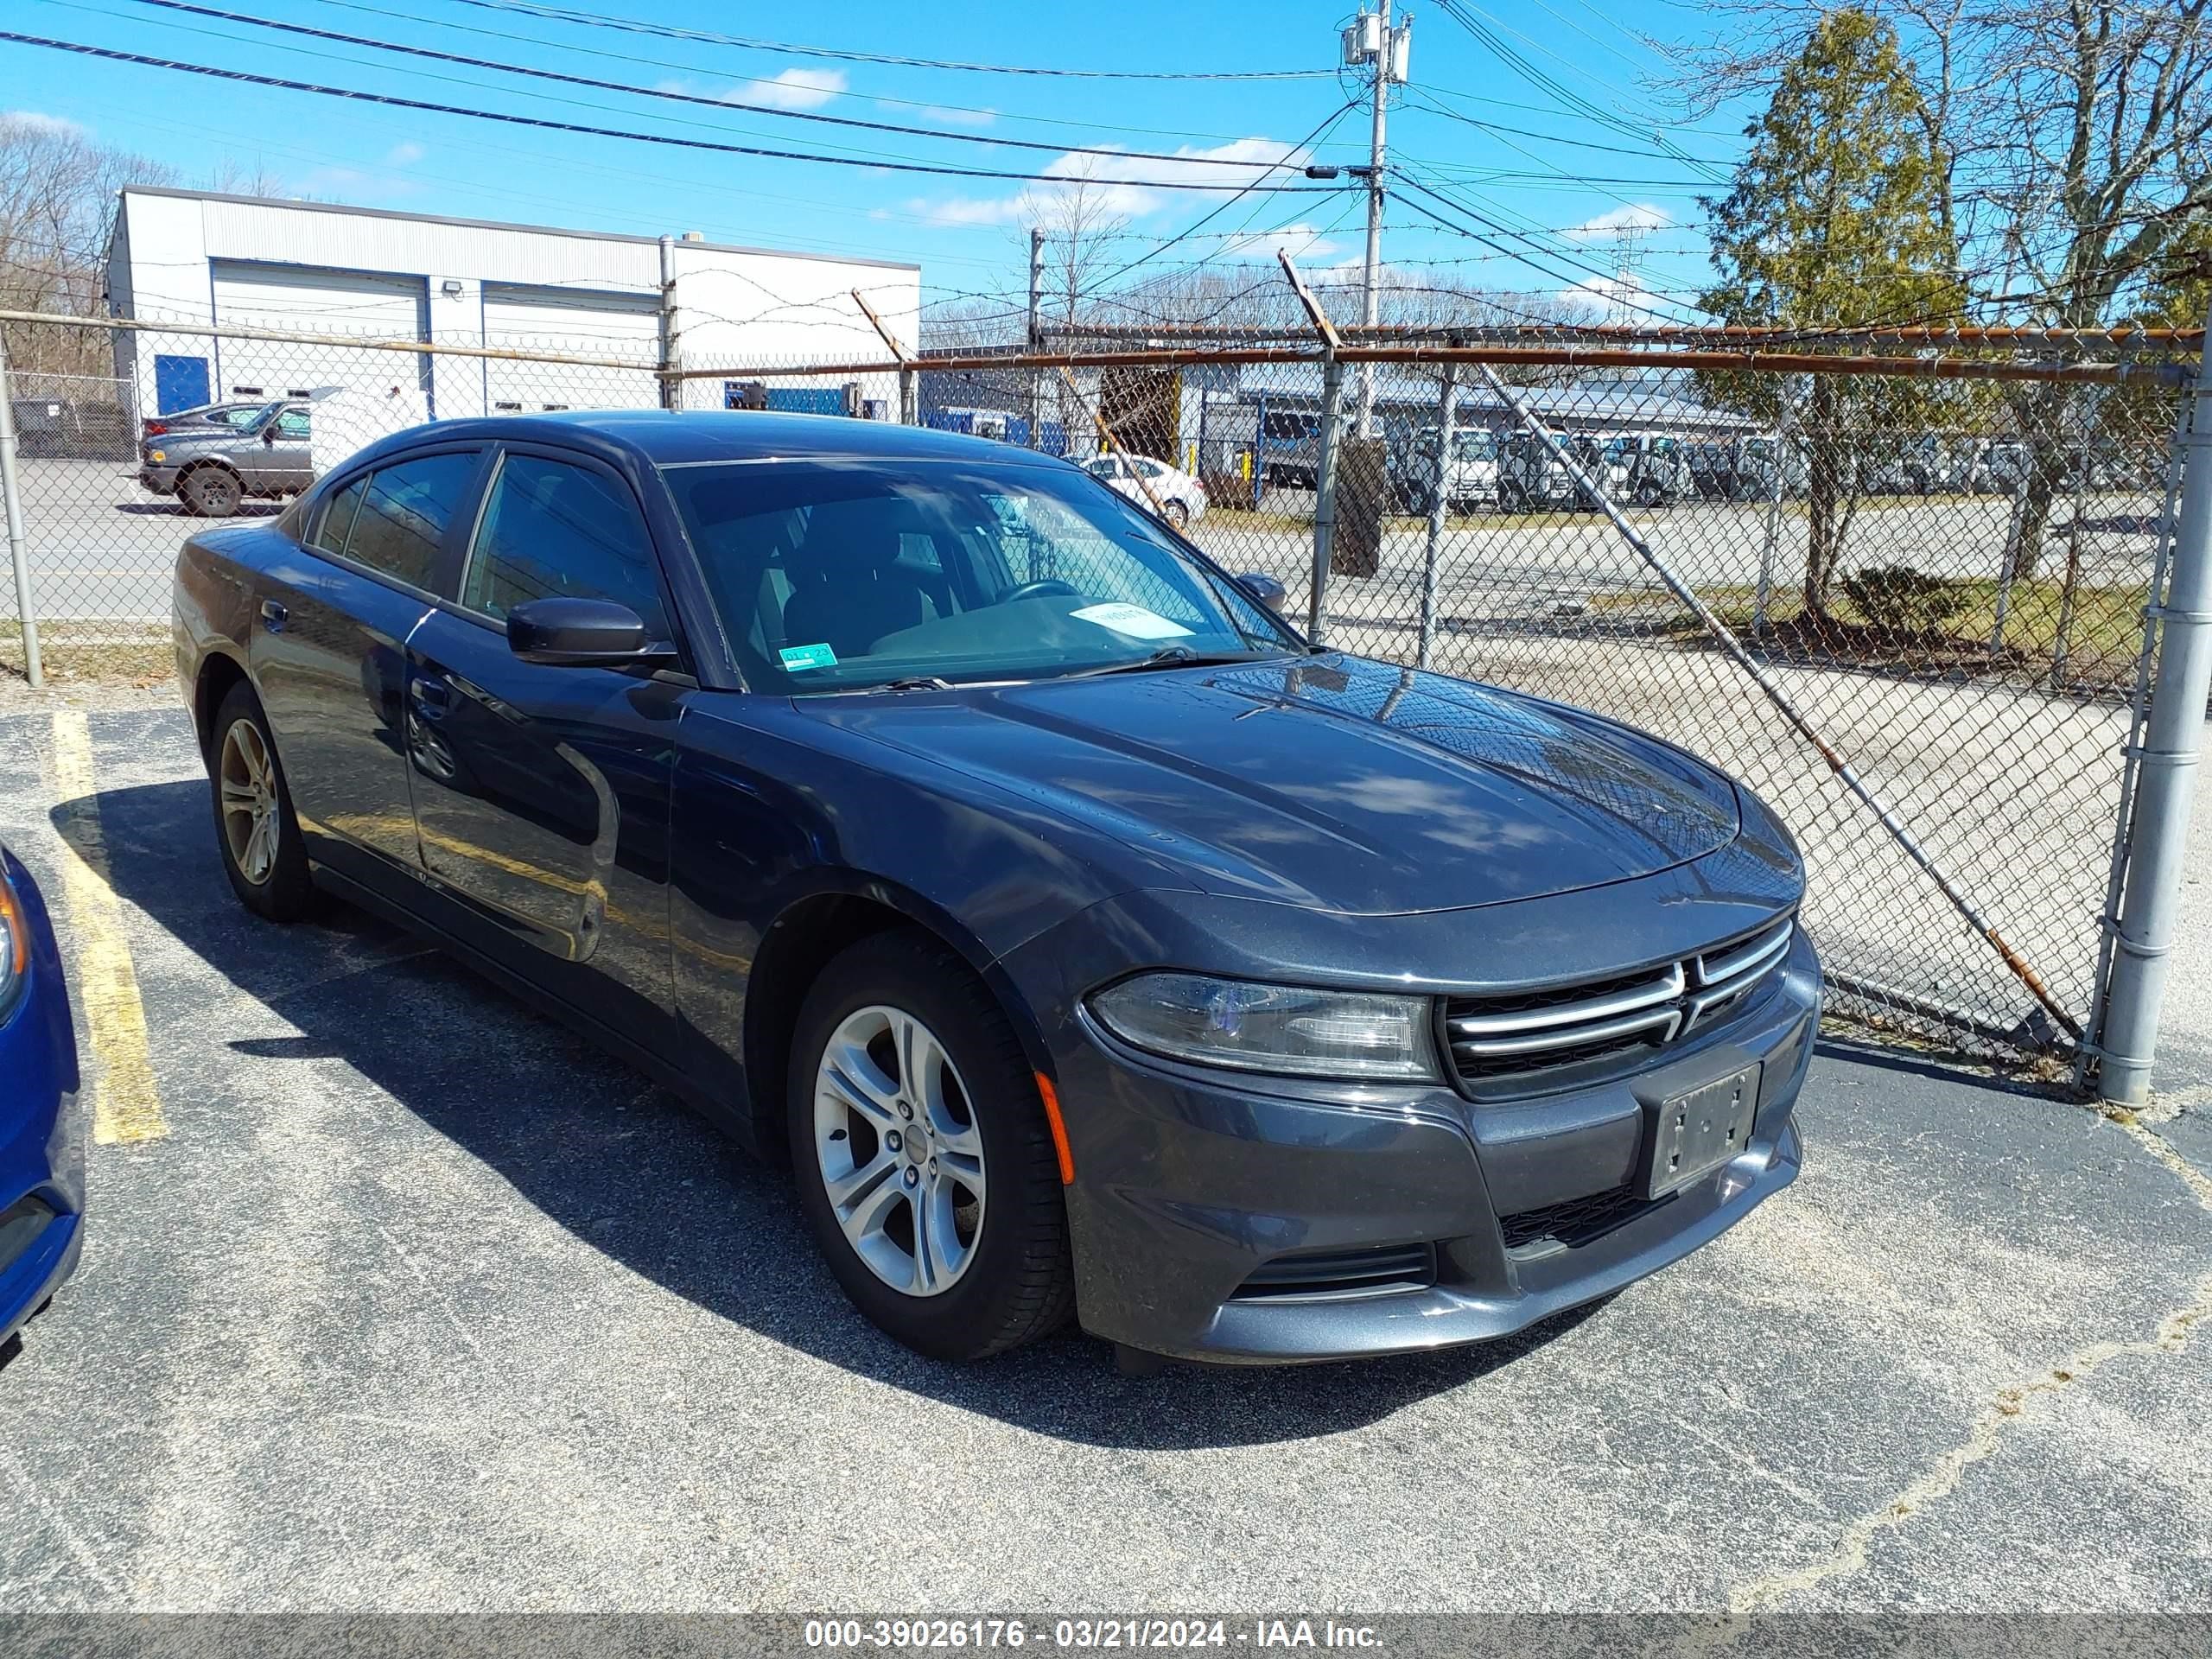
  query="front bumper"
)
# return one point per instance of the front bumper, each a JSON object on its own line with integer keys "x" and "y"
{"x": 161, "y": 481}
{"x": 1190, "y": 1180}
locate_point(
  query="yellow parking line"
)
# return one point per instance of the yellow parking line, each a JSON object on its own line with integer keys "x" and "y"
{"x": 126, "y": 1106}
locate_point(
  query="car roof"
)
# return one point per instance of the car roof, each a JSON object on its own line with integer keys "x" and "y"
{"x": 664, "y": 437}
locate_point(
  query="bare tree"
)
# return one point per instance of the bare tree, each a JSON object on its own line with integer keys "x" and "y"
{"x": 57, "y": 203}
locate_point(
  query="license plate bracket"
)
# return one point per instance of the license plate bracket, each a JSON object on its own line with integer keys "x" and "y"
{"x": 1699, "y": 1130}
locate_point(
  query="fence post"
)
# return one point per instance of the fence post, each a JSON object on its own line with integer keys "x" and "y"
{"x": 671, "y": 388}
{"x": 1780, "y": 488}
{"x": 1325, "y": 493}
{"x": 1324, "y": 460}
{"x": 1447, "y": 407}
{"x": 2158, "y": 839}
{"x": 18, "y": 553}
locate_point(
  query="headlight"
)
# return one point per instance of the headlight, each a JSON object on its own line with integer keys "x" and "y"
{"x": 15, "y": 944}
{"x": 155, "y": 454}
{"x": 1282, "y": 1029}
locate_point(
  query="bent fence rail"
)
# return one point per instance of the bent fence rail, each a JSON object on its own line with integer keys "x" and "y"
{"x": 1906, "y": 583}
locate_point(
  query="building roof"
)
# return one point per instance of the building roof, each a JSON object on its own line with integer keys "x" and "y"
{"x": 1402, "y": 386}
{"x": 500, "y": 225}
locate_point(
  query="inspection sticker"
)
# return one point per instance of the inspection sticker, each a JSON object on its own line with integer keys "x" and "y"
{"x": 1134, "y": 621}
{"x": 798, "y": 657}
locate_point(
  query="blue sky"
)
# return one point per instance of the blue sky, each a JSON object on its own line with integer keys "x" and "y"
{"x": 1555, "y": 176}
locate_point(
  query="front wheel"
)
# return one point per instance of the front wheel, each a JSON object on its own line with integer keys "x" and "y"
{"x": 255, "y": 826}
{"x": 926, "y": 1169}
{"x": 1178, "y": 514}
{"x": 211, "y": 491}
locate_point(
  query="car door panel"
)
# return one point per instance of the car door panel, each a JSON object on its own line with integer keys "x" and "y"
{"x": 542, "y": 793}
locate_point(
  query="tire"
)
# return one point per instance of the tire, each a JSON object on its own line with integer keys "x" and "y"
{"x": 256, "y": 833}
{"x": 210, "y": 492}
{"x": 1014, "y": 1280}
{"x": 1178, "y": 514}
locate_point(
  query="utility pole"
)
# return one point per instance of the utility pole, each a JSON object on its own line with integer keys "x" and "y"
{"x": 1036, "y": 331}
{"x": 671, "y": 388}
{"x": 1371, "y": 40}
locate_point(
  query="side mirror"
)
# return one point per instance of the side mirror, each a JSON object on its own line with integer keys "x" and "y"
{"x": 569, "y": 633}
{"x": 269, "y": 435}
{"x": 1258, "y": 584}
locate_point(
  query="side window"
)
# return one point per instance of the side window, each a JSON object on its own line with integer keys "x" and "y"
{"x": 1105, "y": 466}
{"x": 1150, "y": 468}
{"x": 292, "y": 424}
{"x": 336, "y": 522}
{"x": 404, "y": 514}
{"x": 550, "y": 528}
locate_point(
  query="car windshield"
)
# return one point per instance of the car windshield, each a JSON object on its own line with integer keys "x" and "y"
{"x": 1474, "y": 446}
{"x": 266, "y": 412}
{"x": 832, "y": 575}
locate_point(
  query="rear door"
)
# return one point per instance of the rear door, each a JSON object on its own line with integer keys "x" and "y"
{"x": 328, "y": 654}
{"x": 542, "y": 793}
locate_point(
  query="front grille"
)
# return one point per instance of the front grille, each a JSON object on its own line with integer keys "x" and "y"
{"x": 1576, "y": 1221}
{"x": 1519, "y": 1033}
{"x": 1315, "y": 1275}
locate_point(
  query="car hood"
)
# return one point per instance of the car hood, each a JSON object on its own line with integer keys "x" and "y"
{"x": 1328, "y": 781}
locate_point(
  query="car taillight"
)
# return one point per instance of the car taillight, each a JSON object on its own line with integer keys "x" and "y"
{"x": 155, "y": 429}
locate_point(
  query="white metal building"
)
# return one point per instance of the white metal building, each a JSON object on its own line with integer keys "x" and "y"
{"x": 253, "y": 262}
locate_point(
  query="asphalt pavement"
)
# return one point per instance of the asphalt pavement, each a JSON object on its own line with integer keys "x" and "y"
{"x": 405, "y": 1300}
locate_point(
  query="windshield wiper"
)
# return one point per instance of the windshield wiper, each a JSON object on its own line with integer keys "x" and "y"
{"x": 1168, "y": 657}
{"x": 914, "y": 682}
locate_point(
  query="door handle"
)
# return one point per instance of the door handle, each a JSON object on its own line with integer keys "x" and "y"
{"x": 273, "y": 615}
{"x": 432, "y": 698}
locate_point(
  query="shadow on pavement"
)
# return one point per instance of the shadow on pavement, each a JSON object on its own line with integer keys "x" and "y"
{"x": 629, "y": 1170}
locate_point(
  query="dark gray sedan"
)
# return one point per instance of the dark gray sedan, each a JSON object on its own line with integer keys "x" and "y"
{"x": 211, "y": 468}
{"x": 937, "y": 820}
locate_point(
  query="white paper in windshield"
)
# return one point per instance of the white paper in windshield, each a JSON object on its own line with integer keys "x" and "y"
{"x": 1134, "y": 621}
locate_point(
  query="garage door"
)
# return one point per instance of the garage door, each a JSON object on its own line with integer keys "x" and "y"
{"x": 624, "y": 326}
{"x": 355, "y": 303}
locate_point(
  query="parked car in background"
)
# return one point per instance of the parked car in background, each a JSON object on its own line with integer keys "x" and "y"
{"x": 1091, "y": 944}
{"x": 1182, "y": 498}
{"x": 227, "y": 416}
{"x": 1649, "y": 468}
{"x": 42, "y": 1140}
{"x": 212, "y": 470}
{"x": 70, "y": 429}
{"x": 1530, "y": 477}
{"x": 1471, "y": 474}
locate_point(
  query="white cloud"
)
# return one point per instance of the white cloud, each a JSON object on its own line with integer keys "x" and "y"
{"x": 404, "y": 154}
{"x": 794, "y": 89}
{"x": 1137, "y": 191}
{"x": 1641, "y": 217}
{"x": 60, "y": 126}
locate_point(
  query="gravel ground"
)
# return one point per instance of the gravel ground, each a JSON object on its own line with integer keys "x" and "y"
{"x": 420, "y": 1304}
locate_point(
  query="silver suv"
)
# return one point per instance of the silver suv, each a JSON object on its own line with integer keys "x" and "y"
{"x": 211, "y": 470}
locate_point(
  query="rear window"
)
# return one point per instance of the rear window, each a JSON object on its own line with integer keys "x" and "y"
{"x": 401, "y": 516}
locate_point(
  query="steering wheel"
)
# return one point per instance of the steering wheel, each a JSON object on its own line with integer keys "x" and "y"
{"x": 1038, "y": 589}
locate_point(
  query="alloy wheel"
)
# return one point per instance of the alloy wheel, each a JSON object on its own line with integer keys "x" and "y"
{"x": 251, "y": 823}
{"x": 899, "y": 1151}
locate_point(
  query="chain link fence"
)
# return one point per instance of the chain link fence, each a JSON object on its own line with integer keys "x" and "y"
{"x": 1903, "y": 597}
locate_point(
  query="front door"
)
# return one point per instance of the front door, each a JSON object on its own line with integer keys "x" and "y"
{"x": 542, "y": 793}
{"x": 285, "y": 467}
{"x": 328, "y": 651}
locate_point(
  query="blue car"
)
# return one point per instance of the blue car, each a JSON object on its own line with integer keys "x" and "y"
{"x": 41, "y": 1152}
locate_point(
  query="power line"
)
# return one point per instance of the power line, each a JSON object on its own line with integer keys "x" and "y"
{"x": 635, "y": 26}
{"x": 389, "y": 100}
{"x": 1304, "y": 144}
{"x": 673, "y": 95}
{"x": 1525, "y": 258}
